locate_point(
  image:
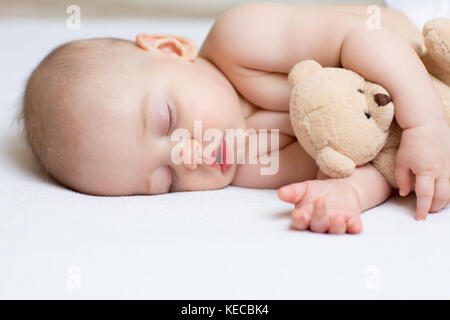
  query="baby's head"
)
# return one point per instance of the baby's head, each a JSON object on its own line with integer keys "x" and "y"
{"x": 99, "y": 113}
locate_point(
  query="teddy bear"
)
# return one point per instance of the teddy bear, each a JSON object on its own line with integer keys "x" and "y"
{"x": 344, "y": 121}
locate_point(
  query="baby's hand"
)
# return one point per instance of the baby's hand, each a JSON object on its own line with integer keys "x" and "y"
{"x": 324, "y": 206}
{"x": 425, "y": 152}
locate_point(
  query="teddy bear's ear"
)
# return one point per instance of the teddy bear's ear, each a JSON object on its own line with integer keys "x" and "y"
{"x": 302, "y": 70}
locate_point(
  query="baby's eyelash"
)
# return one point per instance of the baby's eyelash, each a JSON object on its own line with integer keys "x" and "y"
{"x": 172, "y": 119}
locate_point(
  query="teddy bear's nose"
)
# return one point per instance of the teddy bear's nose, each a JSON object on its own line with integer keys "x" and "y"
{"x": 382, "y": 99}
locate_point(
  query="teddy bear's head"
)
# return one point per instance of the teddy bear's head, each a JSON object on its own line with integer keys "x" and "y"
{"x": 340, "y": 119}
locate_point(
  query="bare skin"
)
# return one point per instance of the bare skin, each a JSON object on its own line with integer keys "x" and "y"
{"x": 335, "y": 205}
{"x": 328, "y": 205}
{"x": 119, "y": 138}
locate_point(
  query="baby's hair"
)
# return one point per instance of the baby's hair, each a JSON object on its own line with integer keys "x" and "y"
{"x": 46, "y": 93}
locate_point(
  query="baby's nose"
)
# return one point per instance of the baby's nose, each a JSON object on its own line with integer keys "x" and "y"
{"x": 193, "y": 155}
{"x": 382, "y": 99}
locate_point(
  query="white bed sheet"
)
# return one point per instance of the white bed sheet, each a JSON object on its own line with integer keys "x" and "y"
{"x": 230, "y": 243}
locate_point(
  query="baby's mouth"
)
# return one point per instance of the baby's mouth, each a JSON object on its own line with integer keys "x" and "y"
{"x": 220, "y": 155}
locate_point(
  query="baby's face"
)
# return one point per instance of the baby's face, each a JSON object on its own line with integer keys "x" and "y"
{"x": 124, "y": 125}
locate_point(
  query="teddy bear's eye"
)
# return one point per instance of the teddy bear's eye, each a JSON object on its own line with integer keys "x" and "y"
{"x": 368, "y": 116}
{"x": 361, "y": 91}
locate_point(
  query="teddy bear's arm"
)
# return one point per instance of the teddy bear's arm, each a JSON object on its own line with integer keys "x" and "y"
{"x": 334, "y": 164}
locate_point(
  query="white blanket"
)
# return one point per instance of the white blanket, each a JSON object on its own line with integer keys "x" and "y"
{"x": 231, "y": 243}
{"x": 421, "y": 11}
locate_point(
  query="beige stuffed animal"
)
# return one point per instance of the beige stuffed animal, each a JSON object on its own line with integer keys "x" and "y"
{"x": 344, "y": 121}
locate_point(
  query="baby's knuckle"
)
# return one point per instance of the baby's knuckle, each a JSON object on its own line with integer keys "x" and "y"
{"x": 425, "y": 194}
{"x": 428, "y": 172}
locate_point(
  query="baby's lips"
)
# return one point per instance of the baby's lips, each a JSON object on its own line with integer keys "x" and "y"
{"x": 209, "y": 159}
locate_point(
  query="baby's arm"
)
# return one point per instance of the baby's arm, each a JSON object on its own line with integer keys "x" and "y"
{"x": 257, "y": 44}
{"x": 335, "y": 205}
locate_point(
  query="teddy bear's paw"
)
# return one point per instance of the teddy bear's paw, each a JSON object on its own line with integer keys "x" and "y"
{"x": 334, "y": 164}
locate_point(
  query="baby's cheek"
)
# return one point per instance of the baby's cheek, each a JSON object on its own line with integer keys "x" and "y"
{"x": 159, "y": 181}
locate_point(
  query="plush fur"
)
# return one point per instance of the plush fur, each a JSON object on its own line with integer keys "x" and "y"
{"x": 344, "y": 121}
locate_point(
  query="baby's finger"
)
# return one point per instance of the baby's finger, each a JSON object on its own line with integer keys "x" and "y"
{"x": 403, "y": 176}
{"x": 319, "y": 220}
{"x": 300, "y": 219}
{"x": 292, "y": 193}
{"x": 424, "y": 192}
{"x": 441, "y": 194}
{"x": 354, "y": 225}
{"x": 337, "y": 225}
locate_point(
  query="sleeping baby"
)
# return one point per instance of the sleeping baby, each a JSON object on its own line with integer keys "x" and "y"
{"x": 113, "y": 117}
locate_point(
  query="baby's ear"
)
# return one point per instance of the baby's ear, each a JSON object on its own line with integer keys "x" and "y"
{"x": 302, "y": 70}
{"x": 167, "y": 44}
